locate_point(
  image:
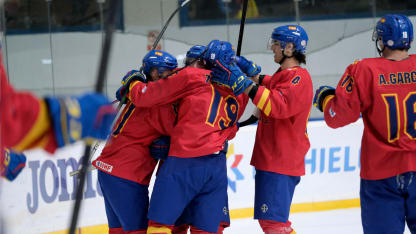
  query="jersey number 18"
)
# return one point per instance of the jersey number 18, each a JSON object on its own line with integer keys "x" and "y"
{"x": 393, "y": 115}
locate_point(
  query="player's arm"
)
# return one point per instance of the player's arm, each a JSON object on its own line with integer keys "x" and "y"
{"x": 341, "y": 106}
{"x": 282, "y": 102}
{"x": 163, "y": 91}
{"x": 52, "y": 122}
{"x": 27, "y": 118}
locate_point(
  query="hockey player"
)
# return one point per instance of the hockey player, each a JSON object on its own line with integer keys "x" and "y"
{"x": 383, "y": 91}
{"x": 194, "y": 58}
{"x": 50, "y": 122}
{"x": 195, "y": 174}
{"x": 284, "y": 100}
{"x": 125, "y": 164}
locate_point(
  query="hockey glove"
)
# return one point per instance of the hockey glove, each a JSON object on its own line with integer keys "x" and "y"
{"x": 13, "y": 164}
{"x": 78, "y": 117}
{"x": 321, "y": 94}
{"x": 160, "y": 148}
{"x": 250, "y": 68}
{"x": 131, "y": 76}
{"x": 230, "y": 76}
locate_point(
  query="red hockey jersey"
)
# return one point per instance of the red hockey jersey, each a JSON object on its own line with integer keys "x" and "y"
{"x": 285, "y": 101}
{"x": 207, "y": 113}
{"x": 384, "y": 92}
{"x": 25, "y": 122}
{"x": 126, "y": 154}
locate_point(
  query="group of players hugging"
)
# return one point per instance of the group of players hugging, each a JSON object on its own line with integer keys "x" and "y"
{"x": 184, "y": 117}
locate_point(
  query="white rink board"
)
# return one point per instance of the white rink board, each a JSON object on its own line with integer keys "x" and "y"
{"x": 332, "y": 165}
{"x": 40, "y": 199}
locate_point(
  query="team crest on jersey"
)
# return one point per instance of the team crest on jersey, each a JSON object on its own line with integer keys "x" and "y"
{"x": 105, "y": 166}
{"x": 144, "y": 89}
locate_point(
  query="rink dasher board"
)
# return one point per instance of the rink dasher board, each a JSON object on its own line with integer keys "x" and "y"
{"x": 41, "y": 198}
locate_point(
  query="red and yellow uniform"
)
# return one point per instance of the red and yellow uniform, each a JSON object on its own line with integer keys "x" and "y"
{"x": 194, "y": 177}
{"x": 284, "y": 100}
{"x": 126, "y": 165}
{"x": 25, "y": 122}
{"x": 384, "y": 92}
{"x": 126, "y": 154}
{"x": 207, "y": 113}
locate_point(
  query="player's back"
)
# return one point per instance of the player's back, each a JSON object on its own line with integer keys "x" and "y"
{"x": 206, "y": 117}
{"x": 207, "y": 113}
{"x": 387, "y": 91}
{"x": 126, "y": 153}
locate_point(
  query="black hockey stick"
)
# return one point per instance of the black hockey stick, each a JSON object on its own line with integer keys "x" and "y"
{"x": 167, "y": 23}
{"x": 123, "y": 99}
{"x": 113, "y": 9}
{"x": 242, "y": 23}
{"x": 253, "y": 118}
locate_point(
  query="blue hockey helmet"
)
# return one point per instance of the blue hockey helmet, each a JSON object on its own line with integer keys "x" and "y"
{"x": 290, "y": 33}
{"x": 195, "y": 51}
{"x": 160, "y": 59}
{"x": 217, "y": 49}
{"x": 395, "y": 30}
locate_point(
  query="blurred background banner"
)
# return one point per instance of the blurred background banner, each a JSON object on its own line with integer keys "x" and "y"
{"x": 40, "y": 199}
{"x": 151, "y": 38}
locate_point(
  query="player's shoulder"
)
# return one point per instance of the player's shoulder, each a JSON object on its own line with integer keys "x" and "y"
{"x": 412, "y": 57}
{"x": 366, "y": 62}
{"x": 191, "y": 74}
{"x": 294, "y": 71}
{"x": 196, "y": 71}
{"x": 294, "y": 74}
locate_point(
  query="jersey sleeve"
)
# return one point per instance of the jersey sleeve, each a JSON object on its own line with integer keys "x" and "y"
{"x": 163, "y": 91}
{"x": 265, "y": 80}
{"x": 345, "y": 106}
{"x": 163, "y": 118}
{"x": 284, "y": 100}
{"x": 25, "y": 120}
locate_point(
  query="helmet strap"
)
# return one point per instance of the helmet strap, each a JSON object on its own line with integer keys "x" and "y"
{"x": 284, "y": 57}
{"x": 379, "y": 50}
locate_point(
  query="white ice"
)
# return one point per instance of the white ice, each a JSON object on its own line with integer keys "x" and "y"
{"x": 342, "y": 221}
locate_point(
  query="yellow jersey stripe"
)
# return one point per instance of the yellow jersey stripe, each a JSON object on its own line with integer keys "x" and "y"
{"x": 268, "y": 108}
{"x": 39, "y": 128}
{"x": 326, "y": 100}
{"x": 263, "y": 98}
